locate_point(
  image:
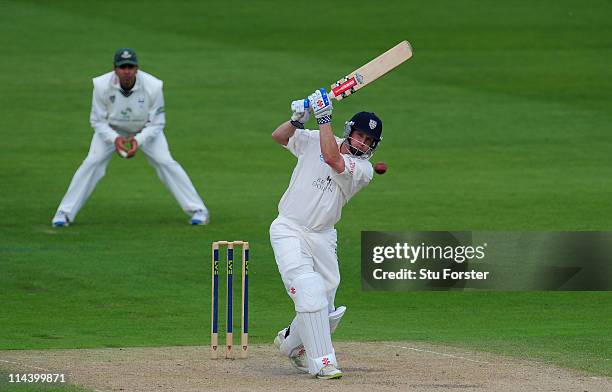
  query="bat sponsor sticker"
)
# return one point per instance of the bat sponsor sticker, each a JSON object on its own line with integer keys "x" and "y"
{"x": 344, "y": 86}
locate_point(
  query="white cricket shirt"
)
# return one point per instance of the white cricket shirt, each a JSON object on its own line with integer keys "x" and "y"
{"x": 139, "y": 111}
{"x": 316, "y": 193}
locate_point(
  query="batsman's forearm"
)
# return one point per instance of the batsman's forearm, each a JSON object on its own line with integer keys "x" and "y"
{"x": 329, "y": 148}
{"x": 282, "y": 134}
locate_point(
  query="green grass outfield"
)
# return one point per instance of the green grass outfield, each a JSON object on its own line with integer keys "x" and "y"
{"x": 501, "y": 121}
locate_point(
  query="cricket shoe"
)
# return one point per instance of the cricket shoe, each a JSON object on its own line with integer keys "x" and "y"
{"x": 199, "y": 218}
{"x": 298, "y": 355}
{"x": 329, "y": 372}
{"x": 60, "y": 219}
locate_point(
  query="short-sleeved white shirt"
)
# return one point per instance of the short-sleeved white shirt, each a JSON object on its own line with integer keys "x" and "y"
{"x": 316, "y": 192}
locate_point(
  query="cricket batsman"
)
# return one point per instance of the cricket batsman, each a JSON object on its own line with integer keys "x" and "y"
{"x": 128, "y": 107}
{"x": 328, "y": 173}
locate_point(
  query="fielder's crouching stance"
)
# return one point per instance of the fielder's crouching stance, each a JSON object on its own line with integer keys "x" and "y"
{"x": 128, "y": 106}
{"x": 328, "y": 173}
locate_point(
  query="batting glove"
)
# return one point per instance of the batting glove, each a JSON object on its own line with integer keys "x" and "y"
{"x": 321, "y": 106}
{"x": 300, "y": 113}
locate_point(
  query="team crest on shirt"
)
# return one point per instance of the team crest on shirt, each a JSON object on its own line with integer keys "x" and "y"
{"x": 112, "y": 98}
{"x": 373, "y": 124}
{"x": 125, "y": 114}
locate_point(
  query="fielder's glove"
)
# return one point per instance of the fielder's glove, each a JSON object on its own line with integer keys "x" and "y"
{"x": 300, "y": 113}
{"x": 321, "y": 106}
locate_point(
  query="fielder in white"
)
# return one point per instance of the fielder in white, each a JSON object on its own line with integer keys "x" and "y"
{"x": 128, "y": 108}
{"x": 328, "y": 173}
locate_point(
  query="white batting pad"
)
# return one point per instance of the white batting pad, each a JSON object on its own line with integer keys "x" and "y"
{"x": 293, "y": 340}
{"x": 316, "y": 336}
{"x": 308, "y": 293}
{"x": 335, "y": 317}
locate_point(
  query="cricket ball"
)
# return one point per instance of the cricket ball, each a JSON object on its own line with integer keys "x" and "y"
{"x": 380, "y": 167}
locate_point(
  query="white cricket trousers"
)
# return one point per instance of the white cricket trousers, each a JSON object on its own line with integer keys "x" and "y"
{"x": 94, "y": 166}
{"x": 299, "y": 250}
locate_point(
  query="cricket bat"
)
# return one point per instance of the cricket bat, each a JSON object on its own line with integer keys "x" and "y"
{"x": 369, "y": 72}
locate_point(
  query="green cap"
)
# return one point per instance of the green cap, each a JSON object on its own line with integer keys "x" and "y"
{"x": 125, "y": 56}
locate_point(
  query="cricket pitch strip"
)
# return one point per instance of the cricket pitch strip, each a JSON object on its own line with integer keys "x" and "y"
{"x": 387, "y": 366}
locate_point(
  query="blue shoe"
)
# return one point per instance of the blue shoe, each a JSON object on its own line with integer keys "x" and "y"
{"x": 60, "y": 219}
{"x": 199, "y": 218}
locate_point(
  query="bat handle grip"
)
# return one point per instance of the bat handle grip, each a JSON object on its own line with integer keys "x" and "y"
{"x": 330, "y": 94}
